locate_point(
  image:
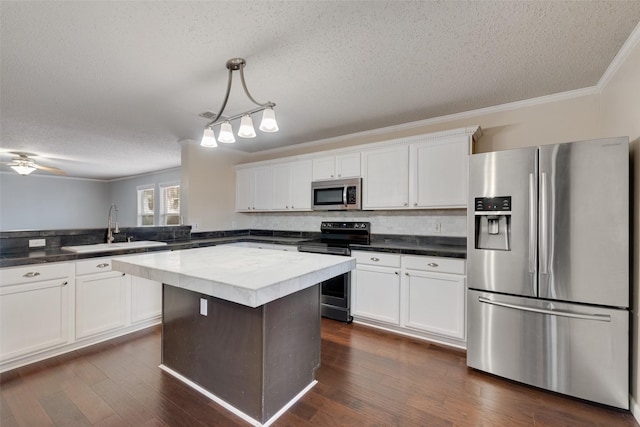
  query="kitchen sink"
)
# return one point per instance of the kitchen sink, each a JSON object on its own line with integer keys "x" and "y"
{"x": 105, "y": 247}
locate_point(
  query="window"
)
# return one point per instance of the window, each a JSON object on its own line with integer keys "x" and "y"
{"x": 146, "y": 205}
{"x": 170, "y": 205}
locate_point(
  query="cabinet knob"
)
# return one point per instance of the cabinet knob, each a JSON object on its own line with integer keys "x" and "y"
{"x": 396, "y": 273}
{"x": 415, "y": 203}
{"x": 406, "y": 204}
{"x": 103, "y": 265}
{"x": 432, "y": 264}
{"x": 286, "y": 207}
{"x": 374, "y": 259}
{"x": 293, "y": 207}
{"x": 331, "y": 175}
{"x": 339, "y": 175}
{"x": 31, "y": 274}
{"x": 65, "y": 283}
{"x": 406, "y": 274}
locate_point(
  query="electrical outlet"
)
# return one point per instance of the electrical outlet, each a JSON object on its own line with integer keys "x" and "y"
{"x": 437, "y": 227}
{"x": 37, "y": 243}
{"x": 195, "y": 225}
{"x": 234, "y": 224}
{"x": 204, "y": 308}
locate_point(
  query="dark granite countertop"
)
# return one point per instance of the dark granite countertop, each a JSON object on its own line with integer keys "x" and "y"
{"x": 452, "y": 247}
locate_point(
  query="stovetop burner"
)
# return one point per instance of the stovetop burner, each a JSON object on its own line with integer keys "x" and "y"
{"x": 337, "y": 236}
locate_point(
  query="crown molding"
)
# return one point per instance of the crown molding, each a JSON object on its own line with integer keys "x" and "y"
{"x": 620, "y": 58}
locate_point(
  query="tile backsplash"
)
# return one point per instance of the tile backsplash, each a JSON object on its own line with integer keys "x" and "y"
{"x": 444, "y": 222}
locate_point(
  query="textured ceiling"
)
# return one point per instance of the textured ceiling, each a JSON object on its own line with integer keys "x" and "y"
{"x": 106, "y": 89}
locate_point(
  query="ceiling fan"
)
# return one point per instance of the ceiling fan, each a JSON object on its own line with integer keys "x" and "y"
{"x": 24, "y": 165}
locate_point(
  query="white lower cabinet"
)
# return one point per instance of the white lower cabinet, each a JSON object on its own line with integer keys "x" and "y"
{"x": 34, "y": 309}
{"x": 375, "y": 287}
{"x": 50, "y": 309}
{"x": 146, "y": 299}
{"x": 426, "y": 298}
{"x": 100, "y": 303}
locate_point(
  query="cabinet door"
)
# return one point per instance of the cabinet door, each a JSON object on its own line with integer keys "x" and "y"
{"x": 263, "y": 188}
{"x": 434, "y": 303}
{"x": 100, "y": 303}
{"x": 282, "y": 175}
{"x": 33, "y": 317}
{"x": 146, "y": 299}
{"x": 323, "y": 168}
{"x": 375, "y": 294}
{"x": 301, "y": 185}
{"x": 385, "y": 173}
{"x": 439, "y": 173}
{"x": 348, "y": 165}
{"x": 245, "y": 189}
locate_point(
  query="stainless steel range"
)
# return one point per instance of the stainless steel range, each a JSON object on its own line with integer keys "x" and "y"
{"x": 336, "y": 237}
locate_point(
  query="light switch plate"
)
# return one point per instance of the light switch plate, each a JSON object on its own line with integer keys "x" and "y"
{"x": 204, "y": 306}
{"x": 37, "y": 243}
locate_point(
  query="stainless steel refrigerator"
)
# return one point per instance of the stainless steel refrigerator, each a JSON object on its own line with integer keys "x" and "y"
{"x": 548, "y": 267}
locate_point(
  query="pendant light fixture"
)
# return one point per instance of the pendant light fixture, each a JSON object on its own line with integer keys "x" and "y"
{"x": 246, "y": 130}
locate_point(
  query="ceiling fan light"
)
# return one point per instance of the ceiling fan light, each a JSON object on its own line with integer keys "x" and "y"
{"x": 226, "y": 134}
{"x": 23, "y": 169}
{"x": 246, "y": 127}
{"x": 208, "y": 138}
{"x": 269, "y": 123}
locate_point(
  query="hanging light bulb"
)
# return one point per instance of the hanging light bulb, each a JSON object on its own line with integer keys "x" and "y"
{"x": 208, "y": 138}
{"x": 226, "y": 133}
{"x": 246, "y": 127}
{"x": 269, "y": 123}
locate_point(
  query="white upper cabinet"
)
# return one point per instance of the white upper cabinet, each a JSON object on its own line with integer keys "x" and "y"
{"x": 292, "y": 186}
{"x": 301, "y": 185}
{"x": 385, "y": 178}
{"x": 335, "y": 167}
{"x": 419, "y": 172}
{"x": 245, "y": 189}
{"x": 254, "y": 189}
{"x": 439, "y": 173}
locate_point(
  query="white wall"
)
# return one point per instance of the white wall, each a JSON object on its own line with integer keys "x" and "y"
{"x": 36, "y": 202}
{"x": 41, "y": 202}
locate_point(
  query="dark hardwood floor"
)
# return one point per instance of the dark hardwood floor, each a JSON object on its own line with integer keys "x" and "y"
{"x": 367, "y": 378}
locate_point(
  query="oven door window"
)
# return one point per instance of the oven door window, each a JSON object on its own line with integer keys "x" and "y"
{"x": 335, "y": 291}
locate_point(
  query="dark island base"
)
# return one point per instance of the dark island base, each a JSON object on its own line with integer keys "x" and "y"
{"x": 255, "y": 359}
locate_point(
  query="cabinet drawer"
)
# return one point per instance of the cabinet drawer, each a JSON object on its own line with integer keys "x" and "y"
{"x": 435, "y": 264}
{"x": 33, "y": 273}
{"x": 376, "y": 258}
{"x": 93, "y": 265}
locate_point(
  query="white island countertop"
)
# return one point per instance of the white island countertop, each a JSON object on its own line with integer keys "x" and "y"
{"x": 247, "y": 276}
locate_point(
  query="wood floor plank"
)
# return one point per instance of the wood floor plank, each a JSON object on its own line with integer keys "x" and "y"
{"x": 367, "y": 378}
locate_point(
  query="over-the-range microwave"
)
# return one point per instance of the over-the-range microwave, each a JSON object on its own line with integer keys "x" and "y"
{"x": 336, "y": 194}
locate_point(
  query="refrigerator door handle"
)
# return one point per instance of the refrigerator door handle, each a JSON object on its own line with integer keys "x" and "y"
{"x": 544, "y": 225}
{"x": 561, "y": 313}
{"x": 532, "y": 223}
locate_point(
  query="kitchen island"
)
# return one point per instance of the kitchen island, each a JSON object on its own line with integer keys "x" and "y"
{"x": 241, "y": 325}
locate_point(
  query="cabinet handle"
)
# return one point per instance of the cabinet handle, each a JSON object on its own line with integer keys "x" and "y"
{"x": 432, "y": 264}
{"x": 103, "y": 265}
{"x": 31, "y": 274}
{"x": 374, "y": 259}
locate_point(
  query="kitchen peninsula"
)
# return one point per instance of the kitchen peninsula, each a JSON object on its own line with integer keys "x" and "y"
{"x": 241, "y": 325}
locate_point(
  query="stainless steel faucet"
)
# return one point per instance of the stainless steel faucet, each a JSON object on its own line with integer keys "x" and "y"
{"x": 116, "y": 230}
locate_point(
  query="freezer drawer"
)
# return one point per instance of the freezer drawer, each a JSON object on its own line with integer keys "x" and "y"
{"x": 579, "y": 350}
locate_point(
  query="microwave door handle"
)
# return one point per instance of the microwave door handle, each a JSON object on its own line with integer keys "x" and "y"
{"x": 344, "y": 195}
